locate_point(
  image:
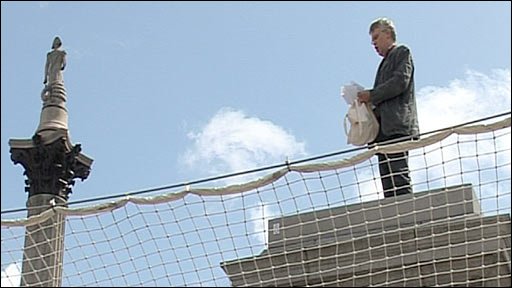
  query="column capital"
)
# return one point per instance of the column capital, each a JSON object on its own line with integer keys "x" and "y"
{"x": 51, "y": 163}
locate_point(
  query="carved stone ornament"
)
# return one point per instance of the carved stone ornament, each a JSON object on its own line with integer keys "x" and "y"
{"x": 51, "y": 165}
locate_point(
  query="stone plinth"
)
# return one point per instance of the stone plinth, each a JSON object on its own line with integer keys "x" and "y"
{"x": 355, "y": 220}
{"x": 425, "y": 239}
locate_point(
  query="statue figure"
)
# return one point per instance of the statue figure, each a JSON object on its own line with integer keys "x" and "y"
{"x": 55, "y": 63}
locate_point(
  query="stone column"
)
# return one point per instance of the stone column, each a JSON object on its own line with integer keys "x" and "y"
{"x": 42, "y": 256}
{"x": 51, "y": 164}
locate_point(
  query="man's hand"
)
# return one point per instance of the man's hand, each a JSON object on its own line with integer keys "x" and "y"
{"x": 363, "y": 96}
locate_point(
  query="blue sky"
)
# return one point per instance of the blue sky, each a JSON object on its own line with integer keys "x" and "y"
{"x": 166, "y": 92}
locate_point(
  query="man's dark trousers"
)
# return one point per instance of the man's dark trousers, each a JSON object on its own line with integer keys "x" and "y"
{"x": 394, "y": 168}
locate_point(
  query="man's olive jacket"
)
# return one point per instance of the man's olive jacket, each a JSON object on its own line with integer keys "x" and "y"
{"x": 393, "y": 94}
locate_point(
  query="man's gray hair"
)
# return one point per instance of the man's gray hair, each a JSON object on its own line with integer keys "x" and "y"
{"x": 384, "y": 24}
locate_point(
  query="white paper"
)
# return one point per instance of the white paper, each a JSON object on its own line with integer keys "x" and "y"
{"x": 349, "y": 91}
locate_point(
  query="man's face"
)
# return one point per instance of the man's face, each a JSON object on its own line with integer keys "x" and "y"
{"x": 381, "y": 41}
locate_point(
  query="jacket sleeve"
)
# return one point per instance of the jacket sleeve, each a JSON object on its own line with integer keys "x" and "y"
{"x": 401, "y": 71}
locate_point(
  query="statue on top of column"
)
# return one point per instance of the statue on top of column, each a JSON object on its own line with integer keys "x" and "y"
{"x": 55, "y": 64}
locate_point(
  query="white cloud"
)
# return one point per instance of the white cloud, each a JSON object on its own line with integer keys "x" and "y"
{"x": 233, "y": 142}
{"x": 258, "y": 219}
{"x": 476, "y": 96}
{"x": 11, "y": 276}
{"x": 461, "y": 159}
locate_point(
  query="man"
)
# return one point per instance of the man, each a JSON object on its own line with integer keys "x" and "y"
{"x": 395, "y": 105}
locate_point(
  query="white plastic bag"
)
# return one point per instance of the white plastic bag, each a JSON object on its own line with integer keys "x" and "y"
{"x": 364, "y": 126}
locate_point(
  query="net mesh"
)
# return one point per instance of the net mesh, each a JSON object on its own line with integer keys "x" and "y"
{"x": 310, "y": 224}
